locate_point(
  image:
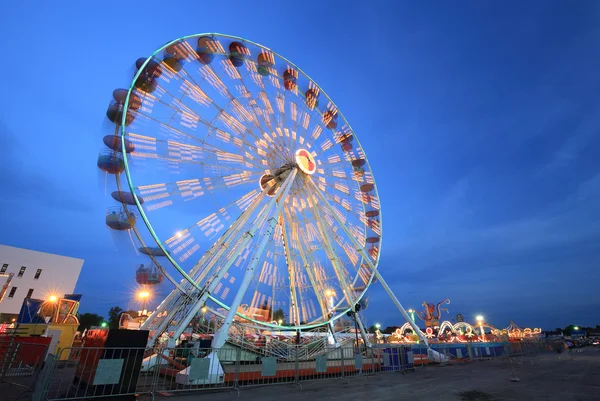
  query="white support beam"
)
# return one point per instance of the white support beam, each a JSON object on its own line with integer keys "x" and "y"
{"x": 221, "y": 336}
{"x": 332, "y": 330}
{"x": 233, "y": 255}
{"x": 363, "y": 332}
{"x": 291, "y": 270}
{"x": 214, "y": 253}
{"x": 317, "y": 288}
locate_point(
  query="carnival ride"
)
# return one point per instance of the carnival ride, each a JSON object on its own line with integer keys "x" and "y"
{"x": 460, "y": 332}
{"x": 432, "y": 313}
{"x": 253, "y": 190}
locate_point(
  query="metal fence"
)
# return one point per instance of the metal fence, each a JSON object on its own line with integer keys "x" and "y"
{"x": 20, "y": 361}
{"x": 87, "y": 373}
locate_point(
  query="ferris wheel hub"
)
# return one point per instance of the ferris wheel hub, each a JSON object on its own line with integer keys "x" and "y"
{"x": 305, "y": 161}
{"x": 275, "y": 179}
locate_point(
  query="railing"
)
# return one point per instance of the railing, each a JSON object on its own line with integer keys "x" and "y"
{"x": 20, "y": 361}
{"x": 88, "y": 373}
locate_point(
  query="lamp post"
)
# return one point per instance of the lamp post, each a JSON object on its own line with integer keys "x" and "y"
{"x": 143, "y": 296}
{"x": 479, "y": 319}
{"x": 329, "y": 293}
{"x": 412, "y": 314}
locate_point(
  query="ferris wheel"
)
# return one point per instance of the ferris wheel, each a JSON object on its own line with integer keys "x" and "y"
{"x": 246, "y": 186}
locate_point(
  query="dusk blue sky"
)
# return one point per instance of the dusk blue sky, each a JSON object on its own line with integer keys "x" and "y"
{"x": 480, "y": 120}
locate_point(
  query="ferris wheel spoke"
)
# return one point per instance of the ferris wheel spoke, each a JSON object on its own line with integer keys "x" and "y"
{"x": 354, "y": 204}
{"x": 192, "y": 118}
{"x": 337, "y": 222}
{"x": 183, "y": 243}
{"x": 258, "y": 221}
{"x": 359, "y": 248}
{"x": 231, "y": 159}
{"x": 333, "y": 216}
{"x": 232, "y": 99}
{"x": 249, "y": 146}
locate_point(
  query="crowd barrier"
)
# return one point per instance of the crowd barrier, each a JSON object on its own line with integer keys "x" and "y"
{"x": 21, "y": 361}
{"x": 87, "y": 373}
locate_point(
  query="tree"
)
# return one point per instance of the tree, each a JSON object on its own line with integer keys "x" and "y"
{"x": 114, "y": 314}
{"x": 132, "y": 313}
{"x": 87, "y": 320}
{"x": 278, "y": 315}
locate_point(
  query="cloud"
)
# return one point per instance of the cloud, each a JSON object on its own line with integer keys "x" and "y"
{"x": 21, "y": 185}
{"x": 574, "y": 145}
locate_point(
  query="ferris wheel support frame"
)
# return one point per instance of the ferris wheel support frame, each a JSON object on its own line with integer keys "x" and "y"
{"x": 366, "y": 257}
{"x": 291, "y": 271}
{"x": 247, "y": 236}
{"x": 363, "y": 332}
{"x": 212, "y": 257}
{"x": 221, "y": 336}
{"x": 308, "y": 269}
{"x": 332, "y": 330}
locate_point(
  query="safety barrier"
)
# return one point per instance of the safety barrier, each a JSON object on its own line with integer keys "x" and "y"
{"x": 87, "y": 373}
{"x": 20, "y": 361}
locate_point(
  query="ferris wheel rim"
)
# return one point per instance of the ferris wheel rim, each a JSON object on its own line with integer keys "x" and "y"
{"x": 159, "y": 242}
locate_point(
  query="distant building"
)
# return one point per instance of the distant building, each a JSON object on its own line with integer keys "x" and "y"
{"x": 594, "y": 333}
{"x": 34, "y": 275}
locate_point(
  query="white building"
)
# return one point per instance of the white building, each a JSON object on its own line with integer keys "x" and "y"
{"x": 35, "y": 275}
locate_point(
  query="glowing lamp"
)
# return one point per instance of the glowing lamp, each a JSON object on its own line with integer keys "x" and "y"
{"x": 143, "y": 294}
{"x": 53, "y": 298}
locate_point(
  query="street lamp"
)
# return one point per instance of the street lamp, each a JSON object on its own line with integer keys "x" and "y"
{"x": 143, "y": 296}
{"x": 329, "y": 293}
{"x": 53, "y": 300}
{"x": 280, "y": 322}
{"x": 479, "y": 319}
{"x": 377, "y": 326}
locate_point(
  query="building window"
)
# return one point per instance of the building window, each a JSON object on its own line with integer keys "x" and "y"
{"x": 22, "y": 271}
{"x": 12, "y": 292}
{"x": 29, "y": 293}
{"x": 37, "y": 274}
{"x": 4, "y": 267}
